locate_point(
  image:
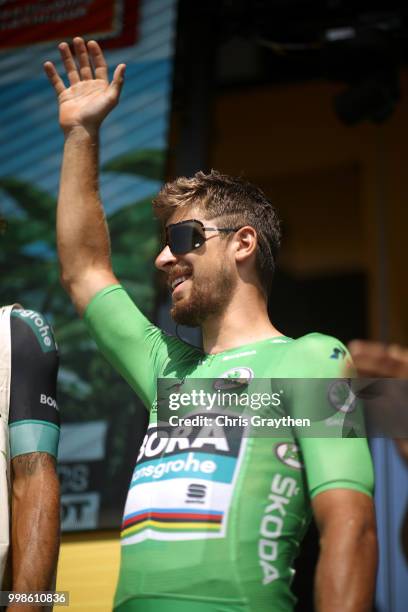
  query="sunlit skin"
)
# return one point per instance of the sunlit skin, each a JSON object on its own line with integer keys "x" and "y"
{"x": 373, "y": 359}
{"x": 223, "y": 277}
{"x": 82, "y": 108}
{"x": 222, "y": 266}
{"x": 90, "y": 96}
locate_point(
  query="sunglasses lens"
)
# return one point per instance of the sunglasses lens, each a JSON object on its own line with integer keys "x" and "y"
{"x": 183, "y": 238}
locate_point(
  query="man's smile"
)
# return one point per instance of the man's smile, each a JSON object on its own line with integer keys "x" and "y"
{"x": 178, "y": 281}
{"x": 177, "y": 277}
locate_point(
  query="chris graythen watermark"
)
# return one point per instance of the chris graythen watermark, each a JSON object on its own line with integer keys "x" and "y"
{"x": 224, "y": 420}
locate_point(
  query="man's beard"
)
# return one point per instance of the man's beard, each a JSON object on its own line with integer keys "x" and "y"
{"x": 209, "y": 296}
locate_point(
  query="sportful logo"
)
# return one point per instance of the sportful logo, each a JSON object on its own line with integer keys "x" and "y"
{"x": 234, "y": 378}
{"x": 39, "y": 327}
{"x": 196, "y": 493}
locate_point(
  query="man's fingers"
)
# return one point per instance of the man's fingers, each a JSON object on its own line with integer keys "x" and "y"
{"x": 54, "y": 77}
{"x": 368, "y": 350}
{"x": 118, "y": 79}
{"x": 375, "y": 359}
{"x": 369, "y": 358}
{"x": 101, "y": 69}
{"x": 69, "y": 63}
{"x": 81, "y": 53}
{"x": 400, "y": 357}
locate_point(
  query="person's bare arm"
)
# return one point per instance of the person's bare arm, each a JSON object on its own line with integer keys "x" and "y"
{"x": 82, "y": 234}
{"x": 373, "y": 359}
{"x": 346, "y": 570}
{"x": 376, "y": 359}
{"x": 35, "y": 511}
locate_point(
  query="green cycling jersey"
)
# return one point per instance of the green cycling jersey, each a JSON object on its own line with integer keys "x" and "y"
{"x": 213, "y": 524}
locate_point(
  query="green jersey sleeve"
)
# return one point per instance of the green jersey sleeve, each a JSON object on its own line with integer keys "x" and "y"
{"x": 336, "y": 463}
{"x": 330, "y": 462}
{"x": 135, "y": 347}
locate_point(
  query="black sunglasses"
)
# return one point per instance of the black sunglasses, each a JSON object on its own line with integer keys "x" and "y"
{"x": 190, "y": 235}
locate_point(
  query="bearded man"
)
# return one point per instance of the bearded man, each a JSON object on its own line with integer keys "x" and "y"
{"x": 211, "y": 524}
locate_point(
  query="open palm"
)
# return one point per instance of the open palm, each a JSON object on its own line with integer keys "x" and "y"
{"x": 90, "y": 96}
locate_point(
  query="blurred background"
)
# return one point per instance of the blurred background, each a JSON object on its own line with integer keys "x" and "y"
{"x": 305, "y": 98}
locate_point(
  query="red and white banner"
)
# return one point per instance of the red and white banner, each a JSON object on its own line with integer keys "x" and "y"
{"x": 23, "y": 22}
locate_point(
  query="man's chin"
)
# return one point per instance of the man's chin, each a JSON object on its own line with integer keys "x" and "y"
{"x": 195, "y": 306}
{"x": 183, "y": 315}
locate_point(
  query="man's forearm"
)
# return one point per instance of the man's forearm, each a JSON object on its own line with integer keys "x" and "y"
{"x": 345, "y": 575}
{"x": 35, "y": 524}
{"x": 82, "y": 236}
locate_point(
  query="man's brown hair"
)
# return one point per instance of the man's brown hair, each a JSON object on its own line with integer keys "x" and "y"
{"x": 235, "y": 201}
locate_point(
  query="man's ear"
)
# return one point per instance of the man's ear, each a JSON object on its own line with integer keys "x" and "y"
{"x": 245, "y": 243}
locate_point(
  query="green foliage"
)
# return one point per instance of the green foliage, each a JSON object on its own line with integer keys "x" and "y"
{"x": 89, "y": 389}
{"x": 29, "y": 275}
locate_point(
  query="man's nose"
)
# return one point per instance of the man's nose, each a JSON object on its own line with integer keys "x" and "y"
{"x": 165, "y": 258}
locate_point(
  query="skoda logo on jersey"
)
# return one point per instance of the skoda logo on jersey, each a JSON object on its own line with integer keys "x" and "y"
{"x": 233, "y": 379}
{"x": 341, "y": 396}
{"x": 288, "y": 454}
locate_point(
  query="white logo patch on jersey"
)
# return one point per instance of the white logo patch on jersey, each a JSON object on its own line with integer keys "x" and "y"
{"x": 182, "y": 487}
{"x": 234, "y": 378}
{"x": 289, "y": 455}
{"x": 341, "y": 396}
{"x": 239, "y": 355}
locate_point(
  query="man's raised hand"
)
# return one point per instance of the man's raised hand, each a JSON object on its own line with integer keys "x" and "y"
{"x": 375, "y": 359}
{"x": 90, "y": 96}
